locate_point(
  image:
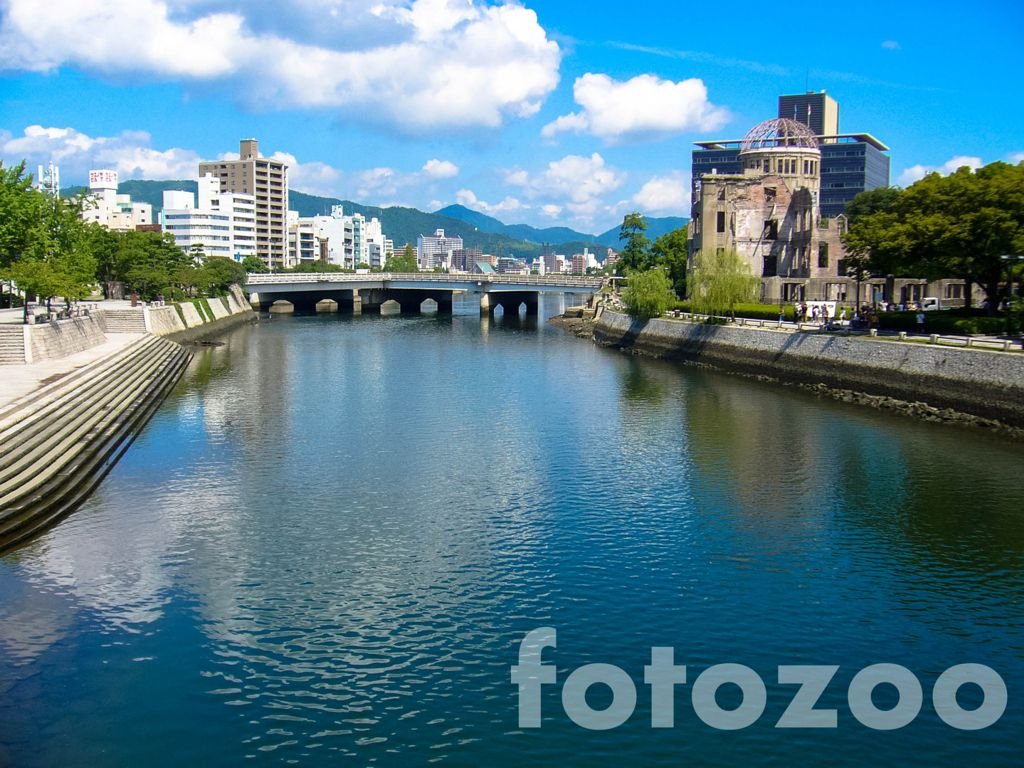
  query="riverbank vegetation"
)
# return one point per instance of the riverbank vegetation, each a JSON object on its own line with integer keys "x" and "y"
{"x": 47, "y": 250}
{"x": 969, "y": 224}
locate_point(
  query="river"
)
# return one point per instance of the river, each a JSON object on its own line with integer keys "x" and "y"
{"x": 332, "y": 538}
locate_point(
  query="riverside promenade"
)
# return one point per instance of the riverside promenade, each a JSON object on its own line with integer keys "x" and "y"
{"x": 17, "y": 381}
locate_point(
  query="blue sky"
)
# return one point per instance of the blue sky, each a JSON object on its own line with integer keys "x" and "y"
{"x": 541, "y": 111}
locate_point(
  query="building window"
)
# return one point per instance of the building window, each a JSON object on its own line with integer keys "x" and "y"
{"x": 771, "y": 229}
{"x": 721, "y": 194}
{"x": 769, "y": 194}
{"x": 721, "y": 221}
{"x": 822, "y": 255}
{"x": 955, "y": 291}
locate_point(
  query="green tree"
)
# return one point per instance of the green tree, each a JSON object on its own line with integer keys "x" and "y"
{"x": 635, "y": 255}
{"x": 957, "y": 225}
{"x": 648, "y": 293}
{"x": 404, "y": 263}
{"x": 55, "y": 259}
{"x": 721, "y": 280}
{"x": 255, "y": 264}
{"x": 155, "y": 264}
{"x": 671, "y": 252}
{"x": 218, "y": 273}
{"x": 20, "y": 211}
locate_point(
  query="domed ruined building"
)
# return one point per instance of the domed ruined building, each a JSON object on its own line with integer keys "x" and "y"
{"x": 769, "y": 213}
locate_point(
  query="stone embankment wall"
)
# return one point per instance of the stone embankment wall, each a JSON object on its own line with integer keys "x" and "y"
{"x": 986, "y": 384}
{"x": 184, "y": 322}
{"x": 60, "y": 338}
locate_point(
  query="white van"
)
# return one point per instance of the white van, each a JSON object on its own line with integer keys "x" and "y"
{"x": 928, "y": 303}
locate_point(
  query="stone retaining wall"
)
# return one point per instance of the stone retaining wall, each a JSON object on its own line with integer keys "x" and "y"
{"x": 983, "y": 383}
{"x": 60, "y": 338}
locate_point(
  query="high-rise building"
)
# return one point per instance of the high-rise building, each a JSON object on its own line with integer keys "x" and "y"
{"x": 267, "y": 181}
{"x": 850, "y": 162}
{"x": 815, "y": 109}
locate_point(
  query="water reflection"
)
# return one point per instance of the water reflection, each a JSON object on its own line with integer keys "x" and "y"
{"x": 331, "y": 538}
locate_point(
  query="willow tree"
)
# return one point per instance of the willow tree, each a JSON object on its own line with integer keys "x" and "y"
{"x": 648, "y": 293}
{"x": 720, "y": 280}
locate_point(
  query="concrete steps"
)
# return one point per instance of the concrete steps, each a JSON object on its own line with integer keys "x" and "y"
{"x": 12, "y": 345}
{"x": 60, "y": 441}
{"x": 123, "y": 320}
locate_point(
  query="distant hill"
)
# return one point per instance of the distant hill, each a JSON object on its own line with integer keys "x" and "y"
{"x": 656, "y": 227}
{"x": 404, "y": 225}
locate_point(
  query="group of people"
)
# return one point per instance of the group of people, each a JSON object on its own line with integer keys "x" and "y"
{"x": 818, "y": 312}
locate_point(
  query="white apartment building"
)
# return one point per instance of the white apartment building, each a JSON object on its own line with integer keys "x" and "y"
{"x": 221, "y": 223}
{"x": 347, "y": 241}
{"x": 105, "y": 207}
{"x": 436, "y": 250}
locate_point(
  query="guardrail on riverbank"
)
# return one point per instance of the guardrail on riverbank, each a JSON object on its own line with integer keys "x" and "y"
{"x": 997, "y": 344}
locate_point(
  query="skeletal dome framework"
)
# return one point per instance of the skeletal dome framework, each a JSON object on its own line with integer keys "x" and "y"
{"x": 779, "y": 133}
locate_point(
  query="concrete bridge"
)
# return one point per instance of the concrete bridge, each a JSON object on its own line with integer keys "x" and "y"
{"x": 382, "y": 291}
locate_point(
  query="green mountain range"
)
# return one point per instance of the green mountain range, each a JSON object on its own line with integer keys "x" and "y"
{"x": 404, "y": 225}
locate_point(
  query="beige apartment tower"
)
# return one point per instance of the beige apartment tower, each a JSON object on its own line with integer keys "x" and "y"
{"x": 267, "y": 181}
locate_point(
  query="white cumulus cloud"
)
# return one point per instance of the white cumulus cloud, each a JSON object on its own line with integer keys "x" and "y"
{"x": 665, "y": 195}
{"x": 314, "y": 178}
{"x": 918, "y": 172}
{"x": 440, "y": 169}
{"x": 129, "y": 153}
{"x": 1016, "y": 157}
{"x": 575, "y": 183}
{"x": 483, "y": 62}
{"x": 645, "y": 105}
{"x": 469, "y": 199}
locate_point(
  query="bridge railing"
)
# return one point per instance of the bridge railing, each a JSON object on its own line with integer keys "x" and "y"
{"x": 574, "y": 281}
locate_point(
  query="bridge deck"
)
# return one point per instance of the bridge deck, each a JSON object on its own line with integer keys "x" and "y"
{"x": 428, "y": 280}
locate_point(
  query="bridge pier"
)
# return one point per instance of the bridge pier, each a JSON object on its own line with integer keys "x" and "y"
{"x": 357, "y": 302}
{"x": 485, "y": 304}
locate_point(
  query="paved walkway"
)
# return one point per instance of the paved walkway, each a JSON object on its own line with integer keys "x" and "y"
{"x": 19, "y": 380}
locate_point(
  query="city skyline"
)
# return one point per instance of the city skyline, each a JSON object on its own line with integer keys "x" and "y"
{"x": 534, "y": 112}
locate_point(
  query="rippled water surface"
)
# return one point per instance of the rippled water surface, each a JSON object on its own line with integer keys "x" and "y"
{"x": 331, "y": 539}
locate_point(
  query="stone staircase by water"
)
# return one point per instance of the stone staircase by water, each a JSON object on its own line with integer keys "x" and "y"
{"x": 12, "y": 345}
{"x": 58, "y": 442}
{"x": 123, "y": 320}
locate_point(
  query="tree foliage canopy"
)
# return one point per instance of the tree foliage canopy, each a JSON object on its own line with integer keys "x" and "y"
{"x": 636, "y": 254}
{"x": 956, "y": 225}
{"x": 406, "y": 262}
